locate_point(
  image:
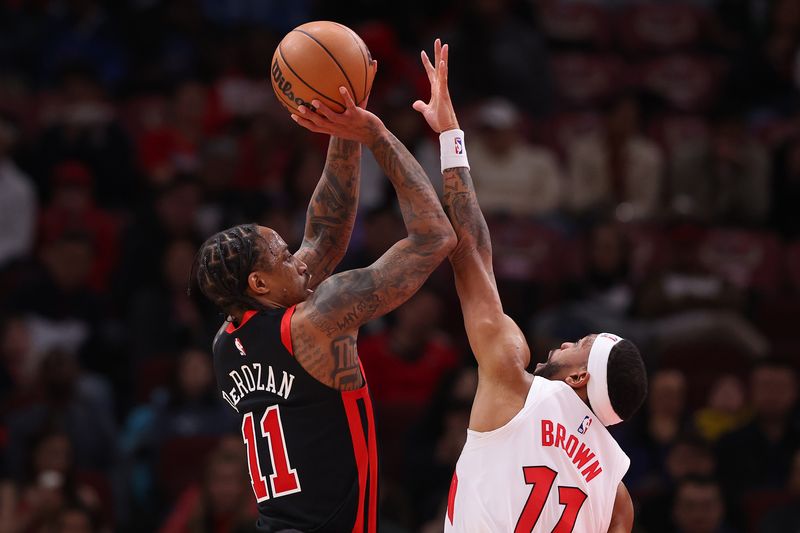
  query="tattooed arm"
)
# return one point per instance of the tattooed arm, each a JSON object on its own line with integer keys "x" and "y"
{"x": 325, "y": 326}
{"x": 497, "y": 342}
{"x": 332, "y": 210}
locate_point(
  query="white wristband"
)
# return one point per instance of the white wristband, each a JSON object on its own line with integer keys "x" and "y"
{"x": 453, "y": 149}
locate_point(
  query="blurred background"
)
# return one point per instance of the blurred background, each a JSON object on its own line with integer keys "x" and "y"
{"x": 638, "y": 162}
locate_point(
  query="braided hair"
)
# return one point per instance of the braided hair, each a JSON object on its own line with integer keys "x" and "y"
{"x": 225, "y": 262}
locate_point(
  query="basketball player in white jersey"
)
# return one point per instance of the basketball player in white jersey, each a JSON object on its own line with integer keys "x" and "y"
{"x": 538, "y": 456}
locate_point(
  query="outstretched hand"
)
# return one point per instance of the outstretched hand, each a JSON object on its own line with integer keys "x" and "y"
{"x": 439, "y": 112}
{"x": 354, "y": 123}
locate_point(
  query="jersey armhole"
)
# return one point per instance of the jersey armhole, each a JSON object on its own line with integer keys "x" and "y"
{"x": 286, "y": 330}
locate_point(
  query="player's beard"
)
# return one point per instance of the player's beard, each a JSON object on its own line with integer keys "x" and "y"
{"x": 548, "y": 370}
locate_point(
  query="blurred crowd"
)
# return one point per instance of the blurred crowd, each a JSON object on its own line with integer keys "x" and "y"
{"x": 638, "y": 163}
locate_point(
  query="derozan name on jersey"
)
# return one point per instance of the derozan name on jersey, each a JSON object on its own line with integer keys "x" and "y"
{"x": 554, "y": 434}
{"x": 251, "y": 378}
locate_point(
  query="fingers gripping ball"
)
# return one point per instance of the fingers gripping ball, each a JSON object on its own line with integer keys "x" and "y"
{"x": 317, "y": 58}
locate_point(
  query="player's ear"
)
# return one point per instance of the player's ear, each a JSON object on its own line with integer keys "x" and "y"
{"x": 577, "y": 379}
{"x": 257, "y": 283}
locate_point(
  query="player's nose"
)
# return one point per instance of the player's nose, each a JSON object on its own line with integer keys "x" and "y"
{"x": 565, "y": 345}
{"x": 301, "y": 267}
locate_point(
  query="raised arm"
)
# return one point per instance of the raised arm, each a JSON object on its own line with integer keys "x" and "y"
{"x": 332, "y": 210}
{"x": 497, "y": 342}
{"x": 345, "y": 301}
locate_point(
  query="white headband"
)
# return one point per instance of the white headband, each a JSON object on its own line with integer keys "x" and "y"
{"x": 598, "y": 378}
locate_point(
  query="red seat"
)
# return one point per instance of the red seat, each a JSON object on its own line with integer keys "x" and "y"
{"x": 181, "y": 463}
{"x": 757, "y": 503}
{"x": 587, "y": 79}
{"x": 144, "y": 113}
{"x": 151, "y": 374}
{"x": 649, "y": 27}
{"x": 525, "y": 251}
{"x": 687, "y": 82}
{"x": 747, "y": 259}
{"x": 575, "y": 22}
{"x": 650, "y": 249}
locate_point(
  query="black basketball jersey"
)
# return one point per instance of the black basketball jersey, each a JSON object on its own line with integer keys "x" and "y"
{"x": 311, "y": 449}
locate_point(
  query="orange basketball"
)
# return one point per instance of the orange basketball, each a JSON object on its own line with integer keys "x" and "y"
{"x": 317, "y": 58}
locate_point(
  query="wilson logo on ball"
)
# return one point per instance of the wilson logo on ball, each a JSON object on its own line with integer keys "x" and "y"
{"x": 285, "y": 86}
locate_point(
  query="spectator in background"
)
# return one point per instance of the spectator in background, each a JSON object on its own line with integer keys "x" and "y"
{"x": 267, "y": 152}
{"x": 601, "y": 299}
{"x": 688, "y": 457}
{"x": 726, "y": 180}
{"x": 759, "y": 455}
{"x": 173, "y": 148}
{"x": 190, "y": 407}
{"x": 75, "y": 519}
{"x": 72, "y": 210}
{"x": 223, "y": 502}
{"x": 405, "y": 364}
{"x": 511, "y": 176}
{"x": 17, "y": 201}
{"x": 500, "y": 54}
{"x": 435, "y": 445}
{"x": 725, "y": 409}
{"x": 698, "y": 507}
{"x": 69, "y": 404}
{"x": 82, "y": 31}
{"x": 223, "y": 204}
{"x": 82, "y": 126}
{"x": 62, "y": 309}
{"x": 172, "y": 215}
{"x": 686, "y": 302}
{"x": 649, "y": 438}
{"x": 18, "y": 363}
{"x": 618, "y": 167}
{"x": 163, "y": 317}
{"x": 47, "y": 488}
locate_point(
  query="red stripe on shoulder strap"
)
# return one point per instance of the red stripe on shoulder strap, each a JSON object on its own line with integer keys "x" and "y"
{"x": 245, "y": 318}
{"x": 286, "y": 329}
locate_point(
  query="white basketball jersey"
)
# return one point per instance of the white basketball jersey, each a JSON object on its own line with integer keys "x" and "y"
{"x": 553, "y": 468}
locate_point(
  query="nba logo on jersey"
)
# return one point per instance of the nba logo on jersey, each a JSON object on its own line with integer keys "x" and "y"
{"x": 459, "y": 145}
{"x": 239, "y": 346}
{"x": 584, "y": 427}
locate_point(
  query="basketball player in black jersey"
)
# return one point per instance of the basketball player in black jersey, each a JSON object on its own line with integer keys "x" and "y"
{"x": 286, "y": 358}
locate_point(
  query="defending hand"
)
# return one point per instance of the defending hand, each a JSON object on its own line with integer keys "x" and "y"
{"x": 439, "y": 112}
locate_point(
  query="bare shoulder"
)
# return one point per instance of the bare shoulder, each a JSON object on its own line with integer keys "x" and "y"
{"x": 326, "y": 351}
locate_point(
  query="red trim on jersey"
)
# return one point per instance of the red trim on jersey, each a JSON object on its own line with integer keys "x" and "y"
{"x": 286, "y": 329}
{"x": 373, "y": 463}
{"x": 366, "y": 453}
{"x": 245, "y": 317}
{"x": 359, "y": 449}
{"x": 451, "y": 497}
